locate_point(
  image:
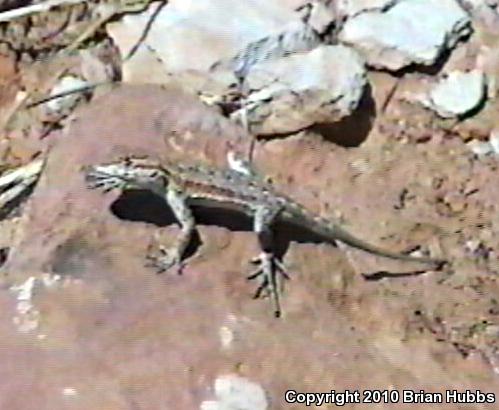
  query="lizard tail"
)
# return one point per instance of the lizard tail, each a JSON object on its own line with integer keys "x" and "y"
{"x": 351, "y": 240}
{"x": 332, "y": 232}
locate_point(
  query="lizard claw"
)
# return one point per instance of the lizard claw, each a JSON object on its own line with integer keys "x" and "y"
{"x": 268, "y": 271}
{"x": 164, "y": 260}
{"x": 257, "y": 260}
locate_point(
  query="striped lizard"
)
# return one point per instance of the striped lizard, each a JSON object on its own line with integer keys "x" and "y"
{"x": 183, "y": 186}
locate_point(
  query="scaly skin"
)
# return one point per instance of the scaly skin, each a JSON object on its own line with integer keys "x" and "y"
{"x": 183, "y": 186}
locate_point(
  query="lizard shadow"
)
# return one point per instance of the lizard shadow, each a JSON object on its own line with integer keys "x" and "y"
{"x": 144, "y": 206}
{"x": 354, "y": 129}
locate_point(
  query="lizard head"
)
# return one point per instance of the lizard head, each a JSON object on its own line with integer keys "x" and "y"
{"x": 127, "y": 173}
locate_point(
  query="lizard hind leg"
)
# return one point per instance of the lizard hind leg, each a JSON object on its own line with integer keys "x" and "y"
{"x": 269, "y": 272}
{"x": 269, "y": 268}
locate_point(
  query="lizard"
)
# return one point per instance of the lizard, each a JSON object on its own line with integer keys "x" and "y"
{"x": 183, "y": 186}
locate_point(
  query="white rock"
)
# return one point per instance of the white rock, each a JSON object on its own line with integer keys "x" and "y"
{"x": 292, "y": 93}
{"x": 480, "y": 148}
{"x": 458, "y": 93}
{"x": 321, "y": 17}
{"x": 494, "y": 140}
{"x": 236, "y": 393}
{"x": 353, "y": 7}
{"x": 25, "y": 290}
{"x": 65, "y": 84}
{"x": 69, "y": 391}
{"x": 412, "y": 31}
{"x": 197, "y": 35}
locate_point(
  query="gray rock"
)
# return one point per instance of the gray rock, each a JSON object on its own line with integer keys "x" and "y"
{"x": 321, "y": 16}
{"x": 353, "y": 7}
{"x": 457, "y": 94}
{"x": 412, "y": 31}
{"x": 198, "y": 36}
{"x": 269, "y": 48}
{"x": 295, "y": 92}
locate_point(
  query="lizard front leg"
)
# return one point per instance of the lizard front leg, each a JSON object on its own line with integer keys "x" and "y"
{"x": 172, "y": 257}
{"x": 269, "y": 266}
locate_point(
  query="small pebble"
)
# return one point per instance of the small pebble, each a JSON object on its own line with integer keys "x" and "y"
{"x": 480, "y": 148}
{"x": 67, "y": 83}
